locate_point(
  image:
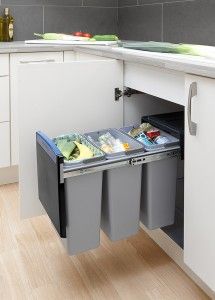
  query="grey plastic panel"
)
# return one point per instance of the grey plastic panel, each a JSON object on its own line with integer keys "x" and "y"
{"x": 121, "y": 202}
{"x": 83, "y": 209}
{"x": 124, "y": 138}
{"x": 158, "y": 193}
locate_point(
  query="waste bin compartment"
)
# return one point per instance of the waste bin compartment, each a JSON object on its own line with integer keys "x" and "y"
{"x": 158, "y": 177}
{"x": 121, "y": 202}
{"x": 158, "y": 193}
{"x": 73, "y": 204}
{"x": 173, "y": 123}
{"x": 103, "y": 140}
{"x": 148, "y": 144}
{"x": 83, "y": 196}
{"x": 121, "y": 186}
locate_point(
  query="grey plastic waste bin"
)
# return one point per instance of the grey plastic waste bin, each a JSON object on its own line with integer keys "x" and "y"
{"x": 83, "y": 207}
{"x": 121, "y": 190}
{"x": 74, "y": 203}
{"x": 158, "y": 193}
{"x": 158, "y": 185}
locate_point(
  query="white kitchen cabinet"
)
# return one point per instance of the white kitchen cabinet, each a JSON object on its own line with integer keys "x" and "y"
{"x": 5, "y": 145}
{"x": 87, "y": 56}
{"x": 4, "y": 99}
{"x": 199, "y": 243}
{"x": 15, "y": 60}
{"x": 69, "y": 56}
{"x": 72, "y": 97}
{"x": 4, "y": 64}
{"x": 78, "y": 55}
{"x": 155, "y": 81}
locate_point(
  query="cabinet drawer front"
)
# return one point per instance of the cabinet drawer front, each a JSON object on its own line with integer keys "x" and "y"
{"x": 5, "y": 145}
{"x": 4, "y": 64}
{"x": 155, "y": 81}
{"x": 4, "y": 99}
{"x": 37, "y": 57}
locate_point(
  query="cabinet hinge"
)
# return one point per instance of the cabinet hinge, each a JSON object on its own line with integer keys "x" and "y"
{"x": 128, "y": 92}
{"x": 118, "y": 94}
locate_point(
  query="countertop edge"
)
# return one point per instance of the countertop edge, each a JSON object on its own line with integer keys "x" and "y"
{"x": 180, "y": 63}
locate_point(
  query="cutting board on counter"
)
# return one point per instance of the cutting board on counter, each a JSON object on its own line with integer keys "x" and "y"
{"x": 59, "y": 42}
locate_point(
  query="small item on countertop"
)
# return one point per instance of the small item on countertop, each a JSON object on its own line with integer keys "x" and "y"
{"x": 8, "y": 26}
{"x": 78, "y": 33}
{"x": 83, "y": 34}
{"x": 160, "y": 140}
{"x": 1, "y": 29}
{"x": 60, "y": 37}
{"x": 106, "y": 38}
{"x": 153, "y": 133}
{"x": 162, "y": 47}
{"x": 144, "y": 139}
{"x": 87, "y": 35}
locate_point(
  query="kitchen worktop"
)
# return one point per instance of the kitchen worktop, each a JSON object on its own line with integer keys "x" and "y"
{"x": 182, "y": 63}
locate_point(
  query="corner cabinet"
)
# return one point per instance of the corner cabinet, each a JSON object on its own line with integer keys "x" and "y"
{"x": 199, "y": 243}
{"x": 59, "y": 98}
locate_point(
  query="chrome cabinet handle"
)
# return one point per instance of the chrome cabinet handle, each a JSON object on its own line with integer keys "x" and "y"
{"x": 37, "y": 61}
{"x": 192, "y": 93}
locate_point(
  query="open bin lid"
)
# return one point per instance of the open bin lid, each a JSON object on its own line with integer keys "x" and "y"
{"x": 171, "y": 140}
{"x": 133, "y": 145}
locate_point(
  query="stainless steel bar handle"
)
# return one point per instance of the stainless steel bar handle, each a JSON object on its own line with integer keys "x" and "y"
{"x": 192, "y": 93}
{"x": 37, "y": 61}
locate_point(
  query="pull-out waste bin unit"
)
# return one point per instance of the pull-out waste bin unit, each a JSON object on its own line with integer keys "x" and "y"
{"x": 104, "y": 191}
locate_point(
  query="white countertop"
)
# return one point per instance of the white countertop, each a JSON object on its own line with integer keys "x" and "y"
{"x": 183, "y": 63}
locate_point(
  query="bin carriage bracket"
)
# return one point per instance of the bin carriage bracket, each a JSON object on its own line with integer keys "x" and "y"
{"x": 52, "y": 175}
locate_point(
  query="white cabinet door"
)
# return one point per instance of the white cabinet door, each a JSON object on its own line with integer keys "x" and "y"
{"x": 72, "y": 97}
{"x": 15, "y": 60}
{"x": 5, "y": 145}
{"x": 4, "y": 99}
{"x": 199, "y": 244}
{"x": 4, "y": 64}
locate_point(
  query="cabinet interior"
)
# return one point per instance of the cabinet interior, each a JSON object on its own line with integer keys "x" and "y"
{"x": 137, "y": 106}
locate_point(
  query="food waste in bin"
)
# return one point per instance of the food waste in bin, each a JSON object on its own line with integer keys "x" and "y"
{"x": 109, "y": 144}
{"x": 152, "y": 138}
{"x": 114, "y": 143}
{"x": 147, "y": 134}
{"x": 75, "y": 148}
